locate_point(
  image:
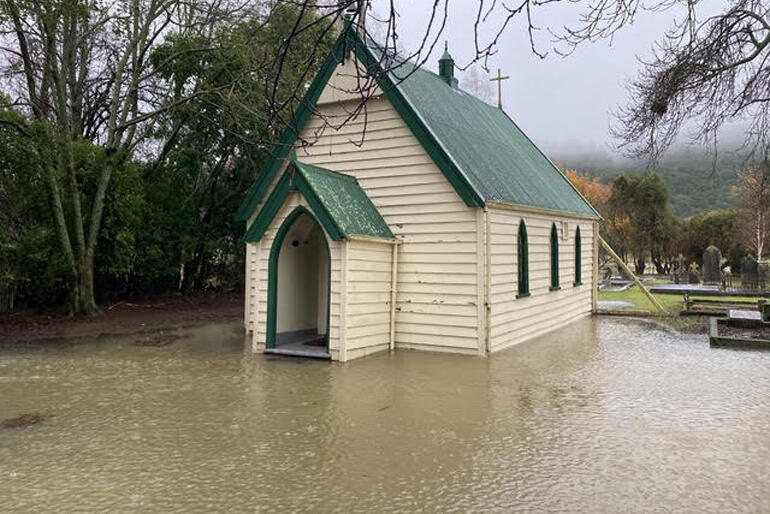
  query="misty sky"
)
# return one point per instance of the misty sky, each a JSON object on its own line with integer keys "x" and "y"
{"x": 561, "y": 102}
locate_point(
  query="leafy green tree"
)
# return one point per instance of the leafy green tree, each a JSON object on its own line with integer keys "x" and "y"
{"x": 718, "y": 228}
{"x": 642, "y": 199}
{"x": 145, "y": 124}
{"x": 214, "y": 142}
{"x": 31, "y": 266}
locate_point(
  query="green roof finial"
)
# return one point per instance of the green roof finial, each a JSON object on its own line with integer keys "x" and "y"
{"x": 446, "y": 56}
{"x": 446, "y": 66}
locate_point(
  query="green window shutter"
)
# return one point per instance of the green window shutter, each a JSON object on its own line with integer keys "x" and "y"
{"x": 554, "y": 258}
{"x": 578, "y": 259}
{"x": 523, "y": 261}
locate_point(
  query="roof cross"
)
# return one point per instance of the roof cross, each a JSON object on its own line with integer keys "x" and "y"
{"x": 499, "y": 79}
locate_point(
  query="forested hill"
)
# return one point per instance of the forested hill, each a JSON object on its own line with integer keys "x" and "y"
{"x": 694, "y": 183}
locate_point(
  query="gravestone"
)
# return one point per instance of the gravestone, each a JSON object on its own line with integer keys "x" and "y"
{"x": 680, "y": 270}
{"x": 693, "y": 275}
{"x": 712, "y": 258}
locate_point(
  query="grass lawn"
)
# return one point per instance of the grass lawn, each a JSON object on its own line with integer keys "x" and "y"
{"x": 633, "y": 295}
{"x": 672, "y": 302}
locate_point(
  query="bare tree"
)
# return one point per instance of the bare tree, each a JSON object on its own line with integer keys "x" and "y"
{"x": 754, "y": 192}
{"x": 81, "y": 70}
{"x": 704, "y": 73}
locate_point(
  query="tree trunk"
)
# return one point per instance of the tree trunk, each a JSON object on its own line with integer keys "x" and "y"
{"x": 85, "y": 288}
{"x": 639, "y": 265}
{"x": 760, "y": 234}
{"x": 659, "y": 266}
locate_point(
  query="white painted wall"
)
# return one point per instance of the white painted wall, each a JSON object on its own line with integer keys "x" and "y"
{"x": 514, "y": 320}
{"x": 301, "y": 278}
{"x": 323, "y": 282}
{"x": 369, "y": 266}
{"x": 436, "y": 306}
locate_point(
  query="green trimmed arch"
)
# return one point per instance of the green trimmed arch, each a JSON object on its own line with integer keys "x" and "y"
{"x": 554, "y": 258}
{"x": 523, "y": 260}
{"x": 272, "y": 274}
{"x": 578, "y": 259}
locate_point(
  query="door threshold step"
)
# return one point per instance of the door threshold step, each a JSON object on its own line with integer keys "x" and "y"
{"x": 297, "y": 352}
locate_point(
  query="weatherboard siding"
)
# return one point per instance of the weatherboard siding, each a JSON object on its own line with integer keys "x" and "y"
{"x": 367, "y": 309}
{"x": 252, "y": 264}
{"x": 514, "y": 320}
{"x": 249, "y": 316}
{"x": 258, "y": 282}
{"x": 437, "y": 297}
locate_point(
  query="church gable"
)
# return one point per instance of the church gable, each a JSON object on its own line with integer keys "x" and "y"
{"x": 479, "y": 149}
{"x": 337, "y": 200}
{"x": 438, "y": 294}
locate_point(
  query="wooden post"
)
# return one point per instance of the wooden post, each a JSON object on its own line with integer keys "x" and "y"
{"x": 636, "y": 280}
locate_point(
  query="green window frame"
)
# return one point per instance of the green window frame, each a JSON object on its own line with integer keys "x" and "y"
{"x": 522, "y": 261}
{"x": 578, "y": 259}
{"x": 554, "y": 259}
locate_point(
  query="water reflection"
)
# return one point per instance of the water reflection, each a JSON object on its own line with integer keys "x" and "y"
{"x": 605, "y": 415}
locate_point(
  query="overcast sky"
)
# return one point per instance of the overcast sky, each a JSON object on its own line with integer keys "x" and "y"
{"x": 563, "y": 103}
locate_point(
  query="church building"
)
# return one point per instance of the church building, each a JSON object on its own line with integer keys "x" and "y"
{"x": 431, "y": 222}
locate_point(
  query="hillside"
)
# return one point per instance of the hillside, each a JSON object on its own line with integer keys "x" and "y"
{"x": 694, "y": 183}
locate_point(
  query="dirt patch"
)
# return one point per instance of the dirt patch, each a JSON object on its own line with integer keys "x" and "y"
{"x": 161, "y": 340}
{"x": 317, "y": 342}
{"x": 122, "y": 318}
{"x": 762, "y": 332}
{"x": 25, "y": 420}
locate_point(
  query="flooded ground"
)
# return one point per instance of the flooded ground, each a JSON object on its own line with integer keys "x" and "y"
{"x": 608, "y": 415}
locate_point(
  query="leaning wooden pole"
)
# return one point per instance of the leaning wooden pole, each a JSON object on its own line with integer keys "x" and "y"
{"x": 630, "y": 273}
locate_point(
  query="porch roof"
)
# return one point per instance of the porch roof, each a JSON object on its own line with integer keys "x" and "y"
{"x": 339, "y": 202}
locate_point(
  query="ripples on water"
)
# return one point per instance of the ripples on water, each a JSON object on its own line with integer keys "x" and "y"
{"x": 603, "y": 416}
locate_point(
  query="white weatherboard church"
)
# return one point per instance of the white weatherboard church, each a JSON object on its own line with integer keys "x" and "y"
{"x": 446, "y": 230}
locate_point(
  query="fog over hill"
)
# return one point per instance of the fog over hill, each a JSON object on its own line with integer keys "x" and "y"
{"x": 696, "y": 180}
{"x": 566, "y": 104}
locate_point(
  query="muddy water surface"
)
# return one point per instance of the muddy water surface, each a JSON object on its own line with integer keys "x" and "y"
{"x": 604, "y": 416}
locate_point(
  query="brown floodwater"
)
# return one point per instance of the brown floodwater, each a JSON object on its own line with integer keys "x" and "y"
{"x": 607, "y": 415}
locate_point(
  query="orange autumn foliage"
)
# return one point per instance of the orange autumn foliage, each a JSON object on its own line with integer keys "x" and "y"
{"x": 614, "y": 225}
{"x": 595, "y": 192}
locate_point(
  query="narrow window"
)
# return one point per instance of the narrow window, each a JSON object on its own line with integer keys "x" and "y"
{"x": 523, "y": 261}
{"x": 554, "y": 258}
{"x": 578, "y": 259}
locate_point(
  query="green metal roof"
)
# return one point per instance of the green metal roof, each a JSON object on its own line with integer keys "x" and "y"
{"x": 499, "y": 161}
{"x": 479, "y": 149}
{"x": 347, "y": 204}
{"x": 337, "y": 200}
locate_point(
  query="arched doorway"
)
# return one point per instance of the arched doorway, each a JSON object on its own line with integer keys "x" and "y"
{"x": 298, "y": 288}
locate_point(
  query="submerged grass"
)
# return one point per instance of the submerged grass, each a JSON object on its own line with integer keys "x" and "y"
{"x": 633, "y": 295}
{"x": 672, "y": 302}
